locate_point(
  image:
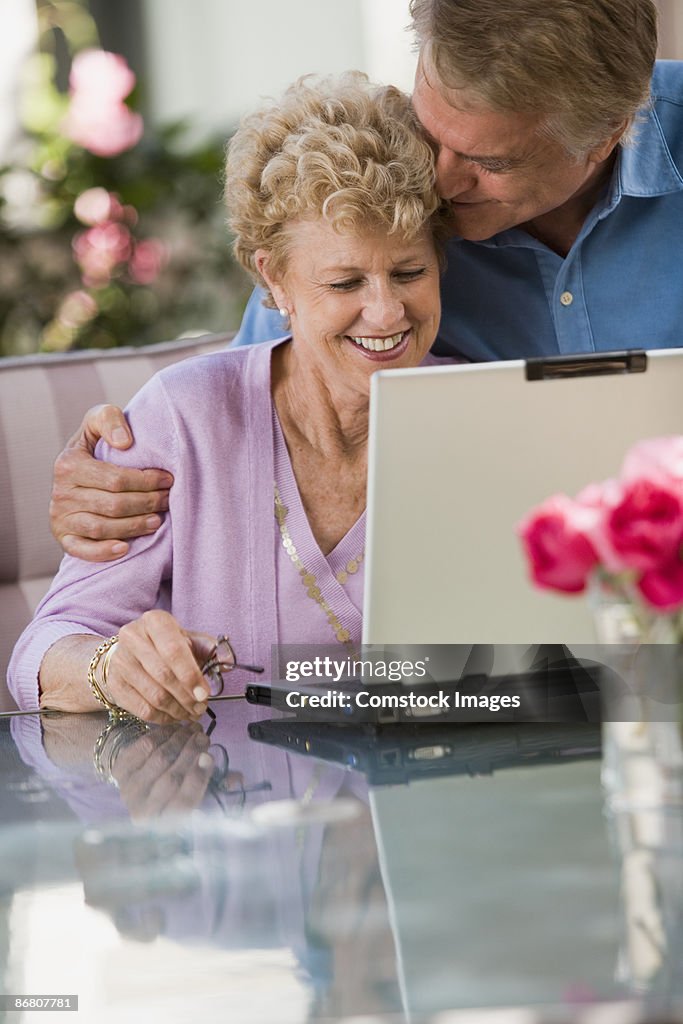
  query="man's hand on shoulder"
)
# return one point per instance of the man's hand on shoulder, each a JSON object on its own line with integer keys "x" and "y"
{"x": 96, "y": 506}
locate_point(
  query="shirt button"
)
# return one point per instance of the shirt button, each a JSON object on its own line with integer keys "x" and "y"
{"x": 566, "y": 298}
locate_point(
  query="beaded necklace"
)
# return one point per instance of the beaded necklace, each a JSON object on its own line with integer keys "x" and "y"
{"x": 308, "y": 579}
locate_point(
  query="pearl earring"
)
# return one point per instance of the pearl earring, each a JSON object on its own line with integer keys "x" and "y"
{"x": 284, "y": 313}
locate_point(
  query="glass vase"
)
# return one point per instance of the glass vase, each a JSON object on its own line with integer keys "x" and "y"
{"x": 642, "y": 729}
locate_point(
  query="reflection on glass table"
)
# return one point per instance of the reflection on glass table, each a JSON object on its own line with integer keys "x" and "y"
{"x": 314, "y": 873}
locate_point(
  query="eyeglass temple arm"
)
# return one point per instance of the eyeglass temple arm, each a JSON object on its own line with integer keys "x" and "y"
{"x": 228, "y": 667}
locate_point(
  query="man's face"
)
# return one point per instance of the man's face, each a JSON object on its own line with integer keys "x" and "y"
{"x": 496, "y": 170}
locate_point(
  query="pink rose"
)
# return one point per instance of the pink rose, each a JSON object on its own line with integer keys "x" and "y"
{"x": 103, "y": 130}
{"x": 555, "y": 539}
{"x": 102, "y": 77}
{"x": 100, "y": 250}
{"x": 659, "y": 459}
{"x": 600, "y": 499}
{"x": 646, "y": 527}
{"x": 96, "y": 205}
{"x": 663, "y": 587}
{"x": 97, "y": 118}
{"x": 147, "y": 260}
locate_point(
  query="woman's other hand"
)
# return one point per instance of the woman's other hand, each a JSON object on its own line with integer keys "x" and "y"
{"x": 155, "y": 669}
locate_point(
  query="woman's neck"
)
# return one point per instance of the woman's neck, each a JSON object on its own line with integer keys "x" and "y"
{"x": 325, "y": 414}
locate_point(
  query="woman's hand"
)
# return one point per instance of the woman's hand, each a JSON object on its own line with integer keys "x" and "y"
{"x": 155, "y": 669}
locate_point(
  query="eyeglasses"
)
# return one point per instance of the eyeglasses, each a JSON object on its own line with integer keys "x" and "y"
{"x": 222, "y": 785}
{"x": 222, "y": 660}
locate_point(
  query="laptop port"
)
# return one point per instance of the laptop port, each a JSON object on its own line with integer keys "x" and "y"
{"x": 390, "y": 758}
{"x": 433, "y": 753}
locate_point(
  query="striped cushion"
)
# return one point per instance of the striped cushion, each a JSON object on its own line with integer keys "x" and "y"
{"x": 42, "y": 401}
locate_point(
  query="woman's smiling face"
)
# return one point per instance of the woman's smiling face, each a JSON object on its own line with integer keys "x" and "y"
{"x": 358, "y": 302}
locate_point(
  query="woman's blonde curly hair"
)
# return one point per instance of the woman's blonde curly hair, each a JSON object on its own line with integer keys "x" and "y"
{"x": 339, "y": 148}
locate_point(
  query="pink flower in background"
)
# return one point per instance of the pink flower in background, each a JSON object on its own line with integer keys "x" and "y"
{"x": 100, "y": 250}
{"x": 104, "y": 131}
{"x": 102, "y": 76}
{"x": 555, "y": 537}
{"x": 96, "y": 206}
{"x": 147, "y": 261}
{"x": 646, "y": 527}
{"x": 97, "y": 118}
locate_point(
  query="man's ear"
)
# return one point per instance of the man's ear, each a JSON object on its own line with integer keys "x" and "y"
{"x": 262, "y": 260}
{"x": 605, "y": 148}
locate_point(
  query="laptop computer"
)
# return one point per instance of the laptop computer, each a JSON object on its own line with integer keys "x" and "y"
{"x": 457, "y": 456}
{"x": 401, "y": 754}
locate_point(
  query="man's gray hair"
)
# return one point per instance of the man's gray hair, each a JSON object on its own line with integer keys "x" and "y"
{"x": 583, "y": 66}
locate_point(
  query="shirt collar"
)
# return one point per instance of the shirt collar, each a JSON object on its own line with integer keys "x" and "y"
{"x": 646, "y": 167}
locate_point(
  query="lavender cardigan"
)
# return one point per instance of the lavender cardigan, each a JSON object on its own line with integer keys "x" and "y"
{"x": 211, "y": 563}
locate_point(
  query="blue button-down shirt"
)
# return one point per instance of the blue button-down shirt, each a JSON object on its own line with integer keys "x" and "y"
{"x": 620, "y": 285}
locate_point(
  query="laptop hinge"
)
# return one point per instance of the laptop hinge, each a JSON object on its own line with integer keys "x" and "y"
{"x": 591, "y": 364}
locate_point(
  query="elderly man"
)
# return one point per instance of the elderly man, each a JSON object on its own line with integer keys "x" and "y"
{"x": 560, "y": 153}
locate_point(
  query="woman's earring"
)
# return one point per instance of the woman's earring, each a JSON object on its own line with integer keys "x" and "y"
{"x": 284, "y": 313}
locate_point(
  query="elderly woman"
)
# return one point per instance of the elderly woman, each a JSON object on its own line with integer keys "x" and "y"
{"x": 332, "y": 202}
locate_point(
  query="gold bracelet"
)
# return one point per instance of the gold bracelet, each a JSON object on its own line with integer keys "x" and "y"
{"x": 104, "y": 683}
{"x": 120, "y": 731}
{"x": 98, "y": 750}
{"x": 114, "y": 710}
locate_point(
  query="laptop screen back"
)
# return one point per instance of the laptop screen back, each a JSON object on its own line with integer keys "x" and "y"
{"x": 457, "y": 456}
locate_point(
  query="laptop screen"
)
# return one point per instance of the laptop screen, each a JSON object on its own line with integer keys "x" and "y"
{"x": 458, "y": 455}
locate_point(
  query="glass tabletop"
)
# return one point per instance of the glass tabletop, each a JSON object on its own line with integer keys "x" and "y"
{"x": 283, "y": 871}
